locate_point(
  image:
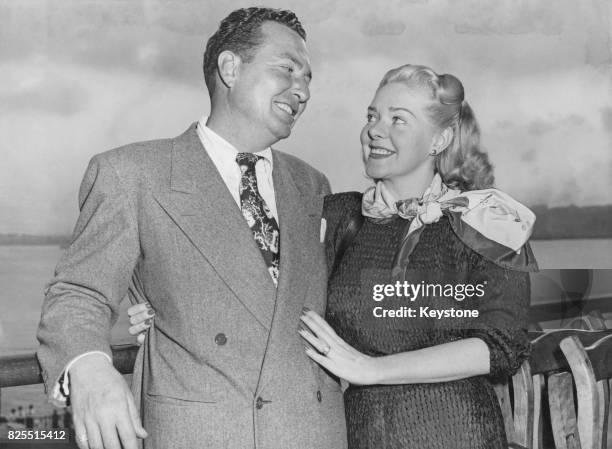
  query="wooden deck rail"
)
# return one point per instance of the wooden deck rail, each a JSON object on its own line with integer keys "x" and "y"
{"x": 558, "y": 310}
{"x": 17, "y": 370}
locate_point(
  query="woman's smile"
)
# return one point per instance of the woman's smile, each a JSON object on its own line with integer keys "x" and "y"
{"x": 377, "y": 152}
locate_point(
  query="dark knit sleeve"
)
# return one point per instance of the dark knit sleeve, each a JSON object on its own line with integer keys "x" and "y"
{"x": 338, "y": 209}
{"x": 503, "y": 316}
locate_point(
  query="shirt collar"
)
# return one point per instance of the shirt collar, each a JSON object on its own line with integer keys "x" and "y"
{"x": 217, "y": 146}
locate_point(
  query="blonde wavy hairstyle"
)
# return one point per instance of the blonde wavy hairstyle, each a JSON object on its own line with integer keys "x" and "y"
{"x": 463, "y": 165}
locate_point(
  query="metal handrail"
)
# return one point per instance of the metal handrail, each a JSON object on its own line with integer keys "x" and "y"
{"x": 18, "y": 370}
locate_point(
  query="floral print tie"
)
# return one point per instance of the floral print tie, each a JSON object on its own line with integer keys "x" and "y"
{"x": 258, "y": 215}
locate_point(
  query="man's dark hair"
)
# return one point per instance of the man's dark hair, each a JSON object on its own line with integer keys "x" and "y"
{"x": 240, "y": 32}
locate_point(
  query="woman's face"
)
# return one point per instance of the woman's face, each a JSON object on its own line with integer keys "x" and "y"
{"x": 398, "y": 136}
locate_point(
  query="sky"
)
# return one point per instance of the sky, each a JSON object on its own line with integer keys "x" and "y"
{"x": 78, "y": 77}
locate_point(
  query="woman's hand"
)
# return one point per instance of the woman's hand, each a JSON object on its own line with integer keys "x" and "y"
{"x": 141, "y": 317}
{"x": 334, "y": 354}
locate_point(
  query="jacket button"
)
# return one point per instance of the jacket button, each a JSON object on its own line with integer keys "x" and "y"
{"x": 259, "y": 403}
{"x": 319, "y": 395}
{"x": 220, "y": 339}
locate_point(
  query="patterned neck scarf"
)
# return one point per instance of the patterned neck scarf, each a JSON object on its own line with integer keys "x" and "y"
{"x": 488, "y": 221}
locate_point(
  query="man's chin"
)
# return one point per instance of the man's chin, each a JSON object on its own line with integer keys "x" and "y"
{"x": 282, "y": 132}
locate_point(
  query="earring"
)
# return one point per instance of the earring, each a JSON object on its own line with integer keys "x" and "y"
{"x": 433, "y": 152}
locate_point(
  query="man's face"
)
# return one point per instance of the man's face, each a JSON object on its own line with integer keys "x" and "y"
{"x": 271, "y": 91}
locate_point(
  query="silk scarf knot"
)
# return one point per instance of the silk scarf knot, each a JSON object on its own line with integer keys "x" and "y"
{"x": 482, "y": 219}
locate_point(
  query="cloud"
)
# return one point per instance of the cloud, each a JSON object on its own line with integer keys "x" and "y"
{"x": 111, "y": 36}
{"x": 377, "y": 27}
{"x": 508, "y": 17}
{"x": 45, "y": 152}
{"x": 550, "y": 140}
{"x": 42, "y": 91}
{"x": 79, "y": 78}
{"x": 529, "y": 155}
{"x": 606, "y": 118}
{"x": 598, "y": 45}
{"x": 188, "y": 18}
{"x": 504, "y": 124}
{"x": 540, "y": 126}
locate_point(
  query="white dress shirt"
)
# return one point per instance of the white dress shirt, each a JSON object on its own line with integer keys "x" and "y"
{"x": 223, "y": 155}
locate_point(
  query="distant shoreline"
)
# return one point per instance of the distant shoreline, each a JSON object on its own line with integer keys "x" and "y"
{"x": 572, "y": 222}
{"x": 552, "y": 223}
{"x": 61, "y": 245}
{"x": 34, "y": 240}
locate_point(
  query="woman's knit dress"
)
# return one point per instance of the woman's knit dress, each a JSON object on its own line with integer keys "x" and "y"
{"x": 458, "y": 414}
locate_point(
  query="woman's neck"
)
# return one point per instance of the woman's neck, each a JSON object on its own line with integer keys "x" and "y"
{"x": 412, "y": 185}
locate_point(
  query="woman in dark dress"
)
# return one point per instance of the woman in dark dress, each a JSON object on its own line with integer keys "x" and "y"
{"x": 423, "y": 379}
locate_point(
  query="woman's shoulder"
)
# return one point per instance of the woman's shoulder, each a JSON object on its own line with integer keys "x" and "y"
{"x": 338, "y": 204}
{"x": 338, "y": 210}
{"x": 456, "y": 248}
{"x": 482, "y": 251}
{"x": 497, "y": 227}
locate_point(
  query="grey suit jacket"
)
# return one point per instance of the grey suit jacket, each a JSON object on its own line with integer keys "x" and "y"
{"x": 223, "y": 366}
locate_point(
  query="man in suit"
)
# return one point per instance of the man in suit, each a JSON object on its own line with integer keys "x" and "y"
{"x": 217, "y": 231}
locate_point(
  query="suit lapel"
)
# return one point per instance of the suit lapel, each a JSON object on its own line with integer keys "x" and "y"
{"x": 293, "y": 207}
{"x": 298, "y": 212}
{"x": 199, "y": 203}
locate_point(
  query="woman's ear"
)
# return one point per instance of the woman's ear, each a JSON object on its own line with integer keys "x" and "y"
{"x": 227, "y": 67}
{"x": 442, "y": 140}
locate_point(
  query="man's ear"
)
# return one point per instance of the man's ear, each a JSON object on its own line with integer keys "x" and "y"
{"x": 228, "y": 63}
{"x": 442, "y": 140}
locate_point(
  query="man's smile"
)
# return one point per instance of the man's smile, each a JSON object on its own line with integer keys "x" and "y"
{"x": 286, "y": 108}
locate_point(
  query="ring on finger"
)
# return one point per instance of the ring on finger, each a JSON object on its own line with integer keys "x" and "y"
{"x": 326, "y": 350}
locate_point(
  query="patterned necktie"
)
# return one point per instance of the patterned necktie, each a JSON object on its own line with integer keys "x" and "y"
{"x": 257, "y": 214}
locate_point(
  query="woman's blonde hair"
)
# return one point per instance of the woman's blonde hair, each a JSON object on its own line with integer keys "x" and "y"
{"x": 463, "y": 165}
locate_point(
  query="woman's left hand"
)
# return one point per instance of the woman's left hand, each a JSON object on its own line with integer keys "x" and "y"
{"x": 334, "y": 354}
{"x": 141, "y": 317}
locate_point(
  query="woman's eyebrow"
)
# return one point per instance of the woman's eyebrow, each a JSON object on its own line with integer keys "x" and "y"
{"x": 393, "y": 109}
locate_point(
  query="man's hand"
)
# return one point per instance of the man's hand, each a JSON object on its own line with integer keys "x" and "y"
{"x": 103, "y": 407}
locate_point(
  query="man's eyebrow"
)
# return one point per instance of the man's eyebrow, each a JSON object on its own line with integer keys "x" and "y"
{"x": 291, "y": 57}
{"x": 393, "y": 109}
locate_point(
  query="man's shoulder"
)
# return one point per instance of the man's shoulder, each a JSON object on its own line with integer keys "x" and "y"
{"x": 296, "y": 163}
{"x": 137, "y": 153}
{"x": 301, "y": 170}
{"x": 142, "y": 155}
